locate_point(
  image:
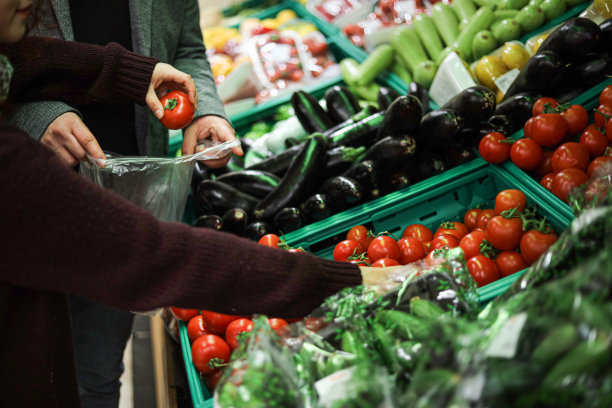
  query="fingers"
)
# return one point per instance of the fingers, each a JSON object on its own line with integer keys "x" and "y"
{"x": 87, "y": 140}
{"x": 69, "y": 138}
{"x": 165, "y": 77}
{"x": 154, "y": 103}
{"x": 61, "y": 153}
{"x": 226, "y": 133}
{"x": 189, "y": 141}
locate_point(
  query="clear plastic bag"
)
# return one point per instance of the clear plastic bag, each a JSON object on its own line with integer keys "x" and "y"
{"x": 157, "y": 184}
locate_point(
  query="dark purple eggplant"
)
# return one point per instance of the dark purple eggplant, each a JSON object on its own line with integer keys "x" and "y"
{"x": 209, "y": 221}
{"x": 456, "y": 155}
{"x": 341, "y": 158}
{"x": 235, "y": 220}
{"x": 542, "y": 73}
{"x": 440, "y": 128}
{"x": 605, "y": 35}
{"x": 361, "y": 133}
{"x": 257, "y": 183}
{"x": 200, "y": 173}
{"x": 418, "y": 90}
{"x": 300, "y": 180}
{"x": 503, "y": 125}
{"x": 316, "y": 208}
{"x": 396, "y": 180}
{"x": 289, "y": 219}
{"x": 572, "y": 39}
{"x": 342, "y": 192}
{"x": 255, "y": 230}
{"x": 402, "y": 117}
{"x": 386, "y": 96}
{"x": 218, "y": 197}
{"x": 367, "y": 111}
{"x": 567, "y": 94}
{"x": 391, "y": 152}
{"x": 592, "y": 70}
{"x": 277, "y": 164}
{"x": 474, "y": 104}
{"x": 429, "y": 164}
{"x": 373, "y": 193}
{"x": 518, "y": 108}
{"x": 341, "y": 103}
{"x": 311, "y": 115}
{"x": 363, "y": 172}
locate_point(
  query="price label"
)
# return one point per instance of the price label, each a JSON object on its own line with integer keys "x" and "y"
{"x": 334, "y": 387}
{"x": 503, "y": 82}
{"x": 505, "y": 343}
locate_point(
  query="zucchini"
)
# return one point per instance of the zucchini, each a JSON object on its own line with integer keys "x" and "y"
{"x": 234, "y": 221}
{"x": 440, "y": 128}
{"x": 377, "y": 61}
{"x": 342, "y": 192}
{"x": 407, "y": 45}
{"x": 428, "y": 35}
{"x": 257, "y": 183}
{"x": 480, "y": 21}
{"x": 349, "y": 69}
{"x": 218, "y": 197}
{"x": 361, "y": 133}
{"x": 257, "y": 229}
{"x": 403, "y": 117}
{"x": 386, "y": 96}
{"x": 464, "y": 8}
{"x": 446, "y": 22}
{"x": 288, "y": 219}
{"x": 278, "y": 164}
{"x": 398, "y": 69}
{"x": 301, "y": 177}
{"x": 310, "y": 114}
{"x": 341, "y": 104}
{"x": 474, "y": 104}
{"x": 316, "y": 208}
{"x": 209, "y": 221}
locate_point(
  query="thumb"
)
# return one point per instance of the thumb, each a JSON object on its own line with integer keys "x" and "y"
{"x": 154, "y": 104}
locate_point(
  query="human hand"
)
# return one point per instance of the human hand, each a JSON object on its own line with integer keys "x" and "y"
{"x": 166, "y": 78}
{"x": 214, "y": 127}
{"x": 70, "y": 139}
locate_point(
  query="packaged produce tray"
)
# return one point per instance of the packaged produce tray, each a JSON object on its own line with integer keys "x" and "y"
{"x": 445, "y": 197}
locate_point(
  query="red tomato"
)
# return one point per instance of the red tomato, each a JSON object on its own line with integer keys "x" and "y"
{"x": 505, "y": 234}
{"x": 315, "y": 323}
{"x": 484, "y": 217}
{"x": 444, "y": 240}
{"x": 606, "y": 109}
{"x": 184, "y": 314}
{"x": 418, "y": 231}
{"x": 278, "y": 325}
{"x": 471, "y": 243}
{"x": 566, "y": 180}
{"x": 453, "y": 228}
{"x": 384, "y": 247}
{"x": 234, "y": 329}
{"x": 178, "y": 110}
{"x": 494, "y": 149}
{"x": 362, "y": 262}
{"x": 545, "y": 166}
{"x": 570, "y": 154}
{"x": 361, "y": 235}
{"x": 270, "y": 240}
{"x": 526, "y": 154}
{"x": 470, "y": 217}
{"x": 548, "y": 129}
{"x": 609, "y": 130}
{"x": 547, "y": 181}
{"x": 510, "y": 262}
{"x": 384, "y": 262}
{"x": 412, "y": 250}
{"x": 527, "y": 127}
{"x": 598, "y": 161}
{"x": 577, "y": 119}
{"x": 483, "y": 270}
{"x": 211, "y": 380}
{"x": 427, "y": 245}
{"x": 195, "y": 328}
{"x": 538, "y": 107}
{"x": 535, "y": 243}
{"x": 207, "y": 351}
{"x": 216, "y": 323}
{"x": 345, "y": 249}
{"x": 509, "y": 199}
{"x": 605, "y": 97}
{"x": 594, "y": 141}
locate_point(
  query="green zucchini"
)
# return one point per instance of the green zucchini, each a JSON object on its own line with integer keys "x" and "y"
{"x": 464, "y": 9}
{"x": 480, "y": 21}
{"x": 446, "y": 22}
{"x": 587, "y": 357}
{"x": 558, "y": 342}
{"x": 349, "y": 70}
{"x": 425, "y": 309}
{"x": 426, "y": 30}
{"x": 379, "y": 60}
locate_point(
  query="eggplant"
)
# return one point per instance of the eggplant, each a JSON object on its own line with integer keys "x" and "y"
{"x": 391, "y": 152}
{"x": 542, "y": 73}
{"x": 456, "y": 155}
{"x": 567, "y": 94}
{"x": 518, "y": 108}
{"x": 475, "y": 104}
{"x": 200, "y": 173}
{"x": 419, "y": 91}
{"x": 429, "y": 164}
{"x": 235, "y": 220}
{"x": 277, "y": 164}
{"x": 288, "y": 219}
{"x": 361, "y": 133}
{"x": 257, "y": 183}
{"x": 605, "y": 37}
{"x": 341, "y": 103}
{"x": 575, "y": 37}
{"x": 363, "y": 172}
{"x": 502, "y": 124}
{"x": 386, "y": 96}
{"x": 209, "y": 221}
{"x": 440, "y": 128}
{"x": 396, "y": 180}
{"x": 340, "y": 159}
{"x": 367, "y": 111}
{"x": 316, "y": 208}
{"x": 311, "y": 115}
{"x": 373, "y": 193}
{"x": 255, "y": 230}
{"x": 342, "y": 192}
{"x": 301, "y": 178}
{"x": 592, "y": 70}
{"x": 402, "y": 117}
{"x": 218, "y": 197}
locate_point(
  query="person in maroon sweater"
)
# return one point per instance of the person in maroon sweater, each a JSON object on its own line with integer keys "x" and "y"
{"x": 54, "y": 221}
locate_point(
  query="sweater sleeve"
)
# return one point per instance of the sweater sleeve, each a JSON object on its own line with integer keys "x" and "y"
{"x": 78, "y": 73}
{"x": 62, "y": 233}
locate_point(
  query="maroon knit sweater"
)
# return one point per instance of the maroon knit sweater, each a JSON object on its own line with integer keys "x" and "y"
{"x": 61, "y": 234}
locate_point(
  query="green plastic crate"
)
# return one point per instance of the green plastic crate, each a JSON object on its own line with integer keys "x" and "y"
{"x": 445, "y": 198}
{"x": 200, "y": 395}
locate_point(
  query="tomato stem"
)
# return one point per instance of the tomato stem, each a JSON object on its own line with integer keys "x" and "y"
{"x": 216, "y": 363}
{"x": 171, "y": 104}
{"x": 548, "y": 108}
{"x": 487, "y": 249}
{"x": 388, "y": 234}
{"x": 606, "y": 117}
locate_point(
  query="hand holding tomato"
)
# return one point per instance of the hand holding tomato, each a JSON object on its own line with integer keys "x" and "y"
{"x": 165, "y": 78}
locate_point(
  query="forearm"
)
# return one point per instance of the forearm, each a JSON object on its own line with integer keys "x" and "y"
{"x": 68, "y": 235}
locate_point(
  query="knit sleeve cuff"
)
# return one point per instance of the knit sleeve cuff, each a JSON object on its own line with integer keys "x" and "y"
{"x": 339, "y": 275}
{"x": 134, "y": 75}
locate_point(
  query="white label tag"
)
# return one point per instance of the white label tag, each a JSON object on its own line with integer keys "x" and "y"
{"x": 504, "y": 344}
{"x": 504, "y": 81}
{"x": 334, "y": 387}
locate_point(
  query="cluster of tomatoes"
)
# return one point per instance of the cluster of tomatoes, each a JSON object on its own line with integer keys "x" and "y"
{"x": 494, "y": 240}
{"x": 214, "y": 336}
{"x": 550, "y": 150}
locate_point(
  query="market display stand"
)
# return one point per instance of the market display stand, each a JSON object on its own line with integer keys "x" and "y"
{"x": 165, "y": 393}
